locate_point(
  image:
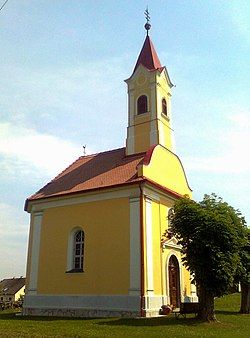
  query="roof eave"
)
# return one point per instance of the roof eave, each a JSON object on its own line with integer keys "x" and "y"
{"x": 29, "y": 202}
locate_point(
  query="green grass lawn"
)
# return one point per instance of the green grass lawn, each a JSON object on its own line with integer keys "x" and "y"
{"x": 231, "y": 324}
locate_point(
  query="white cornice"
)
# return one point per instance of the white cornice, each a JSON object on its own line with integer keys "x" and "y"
{"x": 60, "y": 201}
{"x": 172, "y": 243}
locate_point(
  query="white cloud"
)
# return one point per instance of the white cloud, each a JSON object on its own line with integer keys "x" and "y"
{"x": 12, "y": 223}
{"x": 26, "y": 149}
{"x": 14, "y": 227}
{"x": 65, "y": 88}
{"x": 233, "y": 144}
{"x": 67, "y": 100}
{"x": 241, "y": 119}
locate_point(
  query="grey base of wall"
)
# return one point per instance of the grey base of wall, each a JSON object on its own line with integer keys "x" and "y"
{"x": 78, "y": 313}
{"x": 82, "y": 306}
{"x": 93, "y": 305}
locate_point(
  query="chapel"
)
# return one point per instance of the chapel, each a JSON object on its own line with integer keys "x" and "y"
{"x": 100, "y": 241}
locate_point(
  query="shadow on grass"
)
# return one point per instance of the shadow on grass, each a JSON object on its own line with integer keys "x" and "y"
{"x": 225, "y": 312}
{"x": 158, "y": 321}
{"x": 139, "y": 322}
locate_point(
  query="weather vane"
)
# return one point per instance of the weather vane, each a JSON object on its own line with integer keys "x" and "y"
{"x": 84, "y": 150}
{"x": 147, "y": 24}
{"x": 5, "y": 2}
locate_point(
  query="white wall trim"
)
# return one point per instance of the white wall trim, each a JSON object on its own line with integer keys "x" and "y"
{"x": 35, "y": 250}
{"x": 157, "y": 195}
{"x": 131, "y": 107}
{"x": 135, "y": 247}
{"x": 61, "y": 201}
{"x": 153, "y": 123}
{"x": 149, "y": 248}
{"x": 130, "y": 142}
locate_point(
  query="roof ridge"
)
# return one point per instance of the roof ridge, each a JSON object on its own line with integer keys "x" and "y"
{"x": 103, "y": 152}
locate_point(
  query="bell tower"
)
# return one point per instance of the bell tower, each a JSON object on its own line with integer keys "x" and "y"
{"x": 149, "y": 101}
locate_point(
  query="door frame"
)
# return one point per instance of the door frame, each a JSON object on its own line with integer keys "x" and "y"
{"x": 172, "y": 253}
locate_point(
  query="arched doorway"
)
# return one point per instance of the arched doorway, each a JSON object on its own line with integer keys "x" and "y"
{"x": 174, "y": 281}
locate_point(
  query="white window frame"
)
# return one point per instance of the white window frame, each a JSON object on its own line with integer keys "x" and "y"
{"x": 71, "y": 251}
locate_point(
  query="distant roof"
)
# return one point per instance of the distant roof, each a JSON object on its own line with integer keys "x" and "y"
{"x": 11, "y": 286}
{"x": 102, "y": 170}
{"x": 148, "y": 56}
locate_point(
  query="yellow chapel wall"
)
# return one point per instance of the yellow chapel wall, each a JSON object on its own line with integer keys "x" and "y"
{"x": 160, "y": 257}
{"x": 142, "y": 83}
{"x": 153, "y": 127}
{"x": 142, "y": 132}
{"x": 165, "y": 168}
{"x": 106, "y": 251}
{"x": 163, "y": 121}
{"x": 142, "y": 86}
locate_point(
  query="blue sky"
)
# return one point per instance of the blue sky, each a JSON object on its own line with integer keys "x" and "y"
{"x": 61, "y": 86}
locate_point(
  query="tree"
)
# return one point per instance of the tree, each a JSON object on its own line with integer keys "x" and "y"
{"x": 245, "y": 277}
{"x": 211, "y": 234}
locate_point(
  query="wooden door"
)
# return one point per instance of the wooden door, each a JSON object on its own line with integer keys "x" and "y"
{"x": 174, "y": 281}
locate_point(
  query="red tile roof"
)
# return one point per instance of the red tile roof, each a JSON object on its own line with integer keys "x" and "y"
{"x": 148, "y": 56}
{"x": 101, "y": 170}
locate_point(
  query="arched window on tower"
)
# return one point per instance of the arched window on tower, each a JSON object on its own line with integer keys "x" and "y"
{"x": 142, "y": 104}
{"x": 164, "y": 107}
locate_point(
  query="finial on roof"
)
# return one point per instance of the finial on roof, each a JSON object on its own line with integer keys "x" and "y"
{"x": 147, "y": 24}
{"x": 84, "y": 150}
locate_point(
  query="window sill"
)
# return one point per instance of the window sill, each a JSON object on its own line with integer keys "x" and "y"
{"x": 75, "y": 271}
{"x": 165, "y": 116}
{"x": 143, "y": 114}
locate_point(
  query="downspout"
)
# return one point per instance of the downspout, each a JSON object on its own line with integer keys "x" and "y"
{"x": 142, "y": 252}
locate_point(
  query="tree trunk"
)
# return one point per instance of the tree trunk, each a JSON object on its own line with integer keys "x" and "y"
{"x": 245, "y": 298}
{"x": 206, "y": 306}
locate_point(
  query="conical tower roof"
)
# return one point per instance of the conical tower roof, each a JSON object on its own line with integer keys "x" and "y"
{"x": 148, "y": 56}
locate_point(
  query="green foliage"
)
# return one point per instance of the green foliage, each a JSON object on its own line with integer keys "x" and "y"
{"x": 21, "y": 298}
{"x": 244, "y": 276}
{"x": 212, "y": 234}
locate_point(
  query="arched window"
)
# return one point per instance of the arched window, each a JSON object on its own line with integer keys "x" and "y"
{"x": 75, "y": 257}
{"x": 142, "y": 104}
{"x": 78, "y": 250}
{"x": 164, "y": 107}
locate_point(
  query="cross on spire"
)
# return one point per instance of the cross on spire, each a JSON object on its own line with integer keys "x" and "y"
{"x": 147, "y": 25}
